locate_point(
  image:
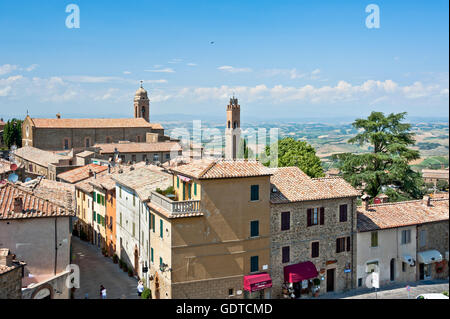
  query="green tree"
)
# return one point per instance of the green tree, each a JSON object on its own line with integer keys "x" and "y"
{"x": 442, "y": 185}
{"x": 297, "y": 153}
{"x": 244, "y": 151}
{"x": 388, "y": 162}
{"x": 12, "y": 133}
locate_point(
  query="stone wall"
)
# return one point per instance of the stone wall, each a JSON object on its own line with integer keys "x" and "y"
{"x": 209, "y": 289}
{"x": 11, "y": 284}
{"x": 436, "y": 238}
{"x": 300, "y": 237}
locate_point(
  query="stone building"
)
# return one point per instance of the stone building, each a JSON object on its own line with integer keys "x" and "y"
{"x": 38, "y": 162}
{"x": 6, "y": 170}
{"x": 40, "y": 231}
{"x": 64, "y": 134}
{"x": 210, "y": 237}
{"x": 151, "y": 152}
{"x": 233, "y": 129}
{"x": 11, "y": 274}
{"x": 312, "y": 227}
{"x": 403, "y": 241}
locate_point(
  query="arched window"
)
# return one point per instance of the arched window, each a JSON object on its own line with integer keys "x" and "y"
{"x": 143, "y": 111}
{"x": 235, "y": 124}
{"x": 229, "y": 124}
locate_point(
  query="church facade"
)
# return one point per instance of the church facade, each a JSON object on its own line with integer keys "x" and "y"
{"x": 64, "y": 134}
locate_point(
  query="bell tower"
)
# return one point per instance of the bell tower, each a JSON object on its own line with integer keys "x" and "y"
{"x": 142, "y": 104}
{"x": 233, "y": 129}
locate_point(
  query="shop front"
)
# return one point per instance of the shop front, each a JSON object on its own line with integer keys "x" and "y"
{"x": 427, "y": 259}
{"x": 257, "y": 286}
{"x": 300, "y": 279}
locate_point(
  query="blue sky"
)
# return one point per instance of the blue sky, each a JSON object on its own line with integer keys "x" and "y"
{"x": 288, "y": 59}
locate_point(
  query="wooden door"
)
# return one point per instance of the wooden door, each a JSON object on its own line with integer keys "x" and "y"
{"x": 330, "y": 280}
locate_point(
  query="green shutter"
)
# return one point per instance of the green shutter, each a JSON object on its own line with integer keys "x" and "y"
{"x": 161, "y": 228}
{"x": 254, "y": 228}
{"x": 254, "y": 192}
{"x": 151, "y": 254}
{"x": 178, "y": 182}
{"x": 195, "y": 189}
{"x": 153, "y": 222}
{"x": 93, "y": 216}
{"x": 94, "y": 197}
{"x": 160, "y": 261}
{"x": 190, "y": 193}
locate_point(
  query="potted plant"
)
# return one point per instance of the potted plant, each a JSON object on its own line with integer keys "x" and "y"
{"x": 146, "y": 294}
{"x": 115, "y": 259}
{"x": 130, "y": 272}
{"x": 124, "y": 267}
{"x": 120, "y": 263}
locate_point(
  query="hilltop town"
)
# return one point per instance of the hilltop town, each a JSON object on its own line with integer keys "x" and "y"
{"x": 146, "y": 215}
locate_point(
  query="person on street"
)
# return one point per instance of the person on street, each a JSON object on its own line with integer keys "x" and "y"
{"x": 140, "y": 288}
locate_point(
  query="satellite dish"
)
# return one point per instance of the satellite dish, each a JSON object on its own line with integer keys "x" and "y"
{"x": 13, "y": 178}
{"x": 27, "y": 179}
{"x": 13, "y": 167}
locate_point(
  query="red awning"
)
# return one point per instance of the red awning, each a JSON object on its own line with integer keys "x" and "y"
{"x": 299, "y": 272}
{"x": 257, "y": 282}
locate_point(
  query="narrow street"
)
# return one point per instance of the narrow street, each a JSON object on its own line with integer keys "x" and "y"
{"x": 98, "y": 270}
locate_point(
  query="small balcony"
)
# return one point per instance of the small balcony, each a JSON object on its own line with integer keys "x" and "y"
{"x": 175, "y": 207}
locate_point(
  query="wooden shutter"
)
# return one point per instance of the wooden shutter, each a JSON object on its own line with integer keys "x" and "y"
{"x": 315, "y": 249}
{"x": 308, "y": 217}
{"x": 337, "y": 245}
{"x": 322, "y": 215}
{"x": 348, "y": 243}
{"x": 285, "y": 220}
{"x": 285, "y": 254}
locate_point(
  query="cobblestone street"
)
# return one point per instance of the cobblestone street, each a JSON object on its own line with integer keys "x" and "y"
{"x": 395, "y": 291}
{"x": 98, "y": 270}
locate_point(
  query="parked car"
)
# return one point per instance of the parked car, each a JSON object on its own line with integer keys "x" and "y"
{"x": 432, "y": 296}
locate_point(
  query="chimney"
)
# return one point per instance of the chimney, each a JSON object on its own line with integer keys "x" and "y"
{"x": 6, "y": 258}
{"x": 427, "y": 200}
{"x": 18, "y": 204}
{"x": 58, "y": 115}
{"x": 365, "y": 199}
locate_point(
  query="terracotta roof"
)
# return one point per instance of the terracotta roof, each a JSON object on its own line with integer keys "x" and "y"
{"x": 131, "y": 147}
{"x": 39, "y": 156}
{"x": 81, "y": 173}
{"x": 212, "y": 169}
{"x": 293, "y": 185}
{"x": 94, "y": 123}
{"x": 33, "y": 206}
{"x": 391, "y": 215}
{"x": 85, "y": 154}
{"x": 143, "y": 180}
{"x": 60, "y": 193}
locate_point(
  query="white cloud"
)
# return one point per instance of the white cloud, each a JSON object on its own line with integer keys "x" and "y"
{"x": 231, "y": 69}
{"x": 191, "y": 64}
{"x": 126, "y": 72}
{"x": 166, "y": 70}
{"x": 5, "y": 91}
{"x": 155, "y": 81}
{"x": 175, "y": 61}
{"x": 31, "y": 67}
{"x": 7, "y": 68}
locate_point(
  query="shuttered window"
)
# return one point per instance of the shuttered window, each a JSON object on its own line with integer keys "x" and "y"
{"x": 195, "y": 189}
{"x": 285, "y": 220}
{"x": 161, "y": 228}
{"x": 178, "y": 182}
{"x": 151, "y": 254}
{"x": 349, "y": 240}
{"x": 374, "y": 239}
{"x": 254, "y": 192}
{"x": 340, "y": 245}
{"x": 285, "y": 254}
{"x": 312, "y": 216}
{"x": 343, "y": 213}
{"x": 254, "y": 228}
{"x": 315, "y": 249}
{"x": 153, "y": 222}
{"x": 406, "y": 236}
{"x": 322, "y": 215}
{"x": 254, "y": 266}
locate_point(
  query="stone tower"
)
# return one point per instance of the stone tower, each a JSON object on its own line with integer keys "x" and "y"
{"x": 142, "y": 104}
{"x": 233, "y": 129}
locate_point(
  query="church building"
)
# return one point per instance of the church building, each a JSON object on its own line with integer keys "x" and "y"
{"x": 64, "y": 134}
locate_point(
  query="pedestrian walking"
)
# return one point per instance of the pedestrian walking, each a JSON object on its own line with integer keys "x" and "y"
{"x": 102, "y": 292}
{"x": 140, "y": 288}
